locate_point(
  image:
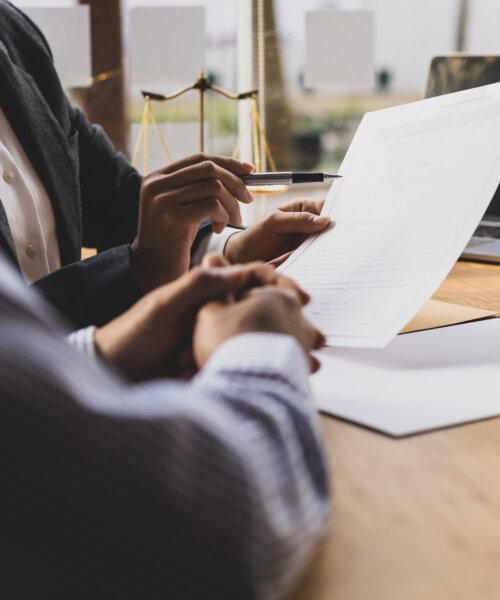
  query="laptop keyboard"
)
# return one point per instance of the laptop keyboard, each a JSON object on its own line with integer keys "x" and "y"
{"x": 490, "y": 231}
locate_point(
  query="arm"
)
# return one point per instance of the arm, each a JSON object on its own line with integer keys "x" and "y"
{"x": 175, "y": 205}
{"x": 102, "y": 210}
{"x": 277, "y": 445}
{"x": 99, "y": 289}
{"x": 214, "y": 488}
{"x": 109, "y": 187}
{"x": 93, "y": 291}
{"x": 165, "y": 214}
{"x": 96, "y": 290}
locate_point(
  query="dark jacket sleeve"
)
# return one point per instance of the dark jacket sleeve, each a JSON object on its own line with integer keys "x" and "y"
{"x": 92, "y": 291}
{"x": 98, "y": 289}
{"x": 94, "y": 189}
{"x": 109, "y": 187}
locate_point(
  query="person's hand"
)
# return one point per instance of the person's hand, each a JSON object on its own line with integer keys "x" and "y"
{"x": 264, "y": 309}
{"x": 154, "y": 337}
{"x": 174, "y": 201}
{"x": 277, "y": 234}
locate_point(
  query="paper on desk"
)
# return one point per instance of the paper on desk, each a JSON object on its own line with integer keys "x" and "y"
{"x": 421, "y": 381}
{"x": 417, "y": 180}
{"x": 439, "y": 314}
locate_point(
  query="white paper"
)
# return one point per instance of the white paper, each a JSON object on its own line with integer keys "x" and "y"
{"x": 417, "y": 180}
{"x": 420, "y": 381}
{"x": 340, "y": 49}
{"x": 67, "y": 30}
{"x": 167, "y": 44}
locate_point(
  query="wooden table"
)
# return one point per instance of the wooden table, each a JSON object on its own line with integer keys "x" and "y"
{"x": 416, "y": 518}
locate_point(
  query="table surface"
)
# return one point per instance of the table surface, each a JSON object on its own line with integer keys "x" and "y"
{"x": 417, "y": 517}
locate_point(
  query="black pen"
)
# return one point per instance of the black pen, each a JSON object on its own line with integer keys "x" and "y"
{"x": 286, "y": 178}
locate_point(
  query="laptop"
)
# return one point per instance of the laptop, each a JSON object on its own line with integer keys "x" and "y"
{"x": 453, "y": 73}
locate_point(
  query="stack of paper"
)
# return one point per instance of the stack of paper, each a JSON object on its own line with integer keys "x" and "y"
{"x": 420, "y": 381}
{"x": 416, "y": 182}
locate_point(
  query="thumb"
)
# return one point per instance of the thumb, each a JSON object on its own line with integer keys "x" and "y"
{"x": 214, "y": 260}
{"x": 279, "y": 260}
{"x": 209, "y": 283}
{"x": 214, "y": 279}
{"x": 220, "y": 282}
{"x": 297, "y": 222}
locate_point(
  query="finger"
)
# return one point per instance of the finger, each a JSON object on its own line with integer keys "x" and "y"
{"x": 304, "y": 205}
{"x": 193, "y": 193}
{"x": 276, "y": 262}
{"x": 290, "y": 297}
{"x": 185, "y": 357}
{"x": 204, "y": 284}
{"x": 214, "y": 260}
{"x": 319, "y": 341}
{"x": 283, "y": 222}
{"x": 216, "y": 189}
{"x": 231, "y": 164}
{"x": 314, "y": 364}
{"x": 195, "y": 213}
{"x": 218, "y": 227}
{"x": 208, "y": 170}
{"x": 259, "y": 274}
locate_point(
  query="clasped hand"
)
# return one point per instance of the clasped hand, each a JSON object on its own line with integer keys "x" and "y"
{"x": 158, "y": 336}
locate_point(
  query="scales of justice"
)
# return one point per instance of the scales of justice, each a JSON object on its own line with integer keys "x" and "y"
{"x": 202, "y": 84}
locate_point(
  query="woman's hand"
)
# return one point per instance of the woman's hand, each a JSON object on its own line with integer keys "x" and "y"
{"x": 174, "y": 201}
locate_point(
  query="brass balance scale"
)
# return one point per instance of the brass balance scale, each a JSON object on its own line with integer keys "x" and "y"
{"x": 202, "y": 84}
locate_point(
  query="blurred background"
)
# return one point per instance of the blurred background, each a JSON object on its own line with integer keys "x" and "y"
{"x": 319, "y": 66}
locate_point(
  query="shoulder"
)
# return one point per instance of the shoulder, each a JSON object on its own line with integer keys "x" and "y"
{"x": 18, "y": 33}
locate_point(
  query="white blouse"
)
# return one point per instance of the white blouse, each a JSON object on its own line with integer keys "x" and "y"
{"x": 28, "y": 208}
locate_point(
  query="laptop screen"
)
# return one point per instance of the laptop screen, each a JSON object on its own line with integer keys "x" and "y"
{"x": 456, "y": 72}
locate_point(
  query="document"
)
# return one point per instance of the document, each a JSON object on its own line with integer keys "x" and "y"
{"x": 420, "y": 381}
{"x": 416, "y": 181}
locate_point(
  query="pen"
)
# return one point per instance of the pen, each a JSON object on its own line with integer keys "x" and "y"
{"x": 286, "y": 178}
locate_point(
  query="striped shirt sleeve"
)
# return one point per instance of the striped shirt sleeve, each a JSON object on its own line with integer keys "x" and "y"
{"x": 216, "y": 488}
{"x": 83, "y": 341}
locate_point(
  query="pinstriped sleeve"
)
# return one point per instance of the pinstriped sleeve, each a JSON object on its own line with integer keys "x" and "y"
{"x": 215, "y": 488}
{"x": 263, "y": 380}
{"x": 83, "y": 341}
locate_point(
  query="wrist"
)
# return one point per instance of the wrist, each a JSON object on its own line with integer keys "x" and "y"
{"x": 118, "y": 340}
{"x": 151, "y": 268}
{"x": 84, "y": 341}
{"x": 230, "y": 250}
{"x": 141, "y": 268}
